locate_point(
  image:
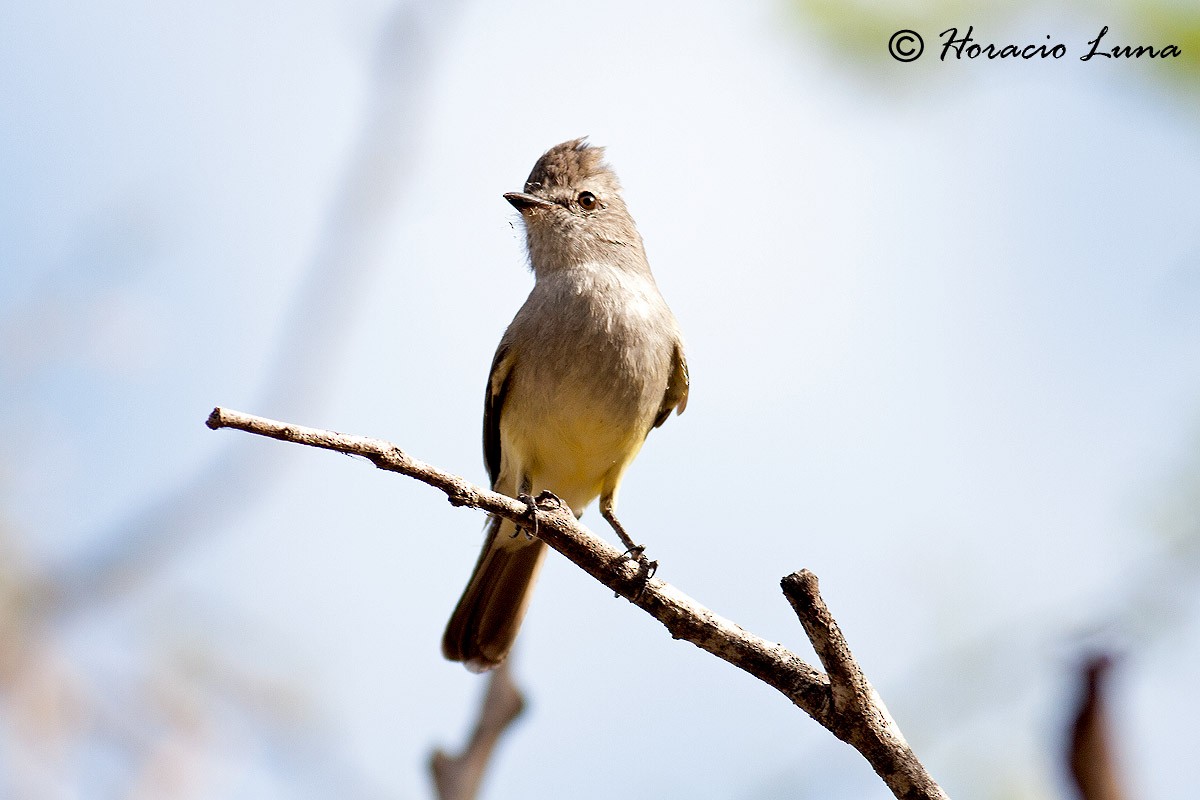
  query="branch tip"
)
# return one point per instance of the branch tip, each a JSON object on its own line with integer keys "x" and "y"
{"x": 801, "y": 586}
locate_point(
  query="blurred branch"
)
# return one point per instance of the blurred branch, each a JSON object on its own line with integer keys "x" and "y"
{"x": 1092, "y": 757}
{"x": 458, "y": 777}
{"x": 842, "y": 701}
{"x": 339, "y": 269}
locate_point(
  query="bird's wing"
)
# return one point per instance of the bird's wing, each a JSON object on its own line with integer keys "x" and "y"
{"x": 676, "y": 396}
{"x": 493, "y": 403}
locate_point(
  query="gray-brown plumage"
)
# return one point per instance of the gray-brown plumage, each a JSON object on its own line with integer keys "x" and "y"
{"x": 591, "y": 362}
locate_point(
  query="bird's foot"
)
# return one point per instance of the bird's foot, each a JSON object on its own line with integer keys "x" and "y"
{"x": 531, "y": 531}
{"x": 646, "y": 567}
{"x": 646, "y": 570}
{"x": 633, "y": 552}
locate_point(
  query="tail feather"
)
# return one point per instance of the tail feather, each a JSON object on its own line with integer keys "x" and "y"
{"x": 484, "y": 625}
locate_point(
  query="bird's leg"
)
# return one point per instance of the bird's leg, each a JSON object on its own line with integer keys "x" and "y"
{"x": 525, "y": 495}
{"x": 634, "y": 551}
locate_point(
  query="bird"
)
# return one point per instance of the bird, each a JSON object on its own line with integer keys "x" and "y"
{"x": 591, "y": 363}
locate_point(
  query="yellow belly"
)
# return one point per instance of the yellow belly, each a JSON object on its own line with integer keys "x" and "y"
{"x": 577, "y": 456}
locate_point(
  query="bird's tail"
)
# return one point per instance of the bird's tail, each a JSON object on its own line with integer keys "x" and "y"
{"x": 485, "y": 623}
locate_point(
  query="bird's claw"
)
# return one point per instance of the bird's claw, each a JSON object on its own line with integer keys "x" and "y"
{"x": 646, "y": 570}
{"x": 531, "y": 532}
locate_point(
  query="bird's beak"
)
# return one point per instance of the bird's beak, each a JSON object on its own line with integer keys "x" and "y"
{"x": 527, "y": 202}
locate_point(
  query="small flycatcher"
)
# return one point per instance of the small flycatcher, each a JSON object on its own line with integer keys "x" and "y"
{"x": 590, "y": 364}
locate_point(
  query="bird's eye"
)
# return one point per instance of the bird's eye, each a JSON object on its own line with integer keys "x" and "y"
{"x": 587, "y": 201}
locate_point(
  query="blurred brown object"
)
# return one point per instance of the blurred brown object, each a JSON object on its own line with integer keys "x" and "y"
{"x": 1092, "y": 756}
{"x": 458, "y": 777}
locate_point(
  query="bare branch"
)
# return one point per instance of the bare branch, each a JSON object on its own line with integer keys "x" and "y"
{"x": 458, "y": 777}
{"x": 1091, "y": 757}
{"x": 858, "y": 715}
{"x": 849, "y": 707}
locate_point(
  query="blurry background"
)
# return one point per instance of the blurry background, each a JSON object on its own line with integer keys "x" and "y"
{"x": 943, "y": 323}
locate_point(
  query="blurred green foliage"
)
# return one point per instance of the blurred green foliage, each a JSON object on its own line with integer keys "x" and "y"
{"x": 862, "y": 29}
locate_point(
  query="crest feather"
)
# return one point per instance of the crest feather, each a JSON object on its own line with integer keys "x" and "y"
{"x": 568, "y": 164}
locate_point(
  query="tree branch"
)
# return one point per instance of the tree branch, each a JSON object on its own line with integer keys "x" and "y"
{"x": 857, "y": 714}
{"x": 458, "y": 777}
{"x": 843, "y": 701}
{"x": 1092, "y": 757}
